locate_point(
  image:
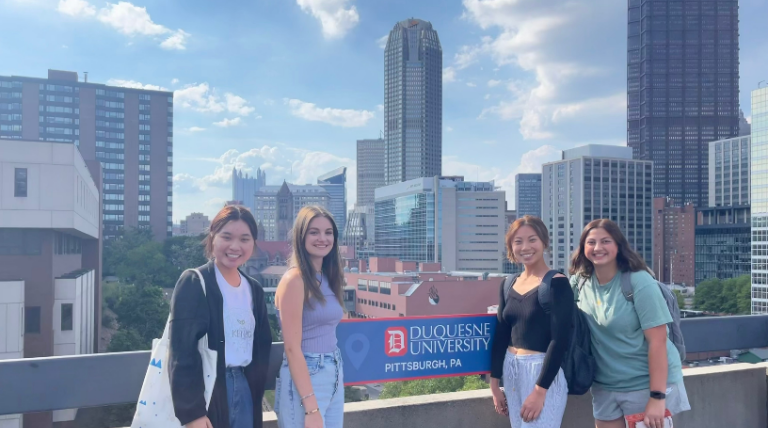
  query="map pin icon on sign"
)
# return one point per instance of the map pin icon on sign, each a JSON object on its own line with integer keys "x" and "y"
{"x": 357, "y": 347}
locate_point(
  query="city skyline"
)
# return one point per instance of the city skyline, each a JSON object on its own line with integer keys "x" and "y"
{"x": 505, "y": 133}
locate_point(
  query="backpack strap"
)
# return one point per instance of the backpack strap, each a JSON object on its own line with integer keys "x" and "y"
{"x": 545, "y": 291}
{"x": 508, "y": 282}
{"x": 626, "y": 287}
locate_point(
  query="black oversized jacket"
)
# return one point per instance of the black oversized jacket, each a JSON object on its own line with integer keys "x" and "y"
{"x": 194, "y": 314}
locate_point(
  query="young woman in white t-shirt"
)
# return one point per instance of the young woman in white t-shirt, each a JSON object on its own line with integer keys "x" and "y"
{"x": 234, "y": 315}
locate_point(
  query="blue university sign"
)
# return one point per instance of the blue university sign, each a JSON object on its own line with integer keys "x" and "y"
{"x": 394, "y": 349}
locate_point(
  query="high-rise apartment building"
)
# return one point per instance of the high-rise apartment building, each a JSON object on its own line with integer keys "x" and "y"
{"x": 195, "y": 224}
{"x": 457, "y": 223}
{"x": 50, "y": 258}
{"x": 682, "y": 89}
{"x": 130, "y": 131}
{"x": 593, "y": 182}
{"x": 729, "y": 161}
{"x": 674, "y": 242}
{"x": 335, "y": 183}
{"x": 723, "y": 243}
{"x": 528, "y": 194}
{"x": 759, "y": 198}
{"x": 370, "y": 170}
{"x": 413, "y": 102}
{"x": 277, "y": 207}
{"x": 244, "y": 187}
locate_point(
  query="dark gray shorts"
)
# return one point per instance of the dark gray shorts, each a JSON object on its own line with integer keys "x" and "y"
{"x": 611, "y": 405}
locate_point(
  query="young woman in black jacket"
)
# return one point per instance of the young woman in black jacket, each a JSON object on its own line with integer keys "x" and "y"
{"x": 234, "y": 315}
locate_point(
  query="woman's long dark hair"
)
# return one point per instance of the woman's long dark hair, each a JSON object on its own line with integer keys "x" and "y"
{"x": 300, "y": 257}
{"x": 627, "y": 259}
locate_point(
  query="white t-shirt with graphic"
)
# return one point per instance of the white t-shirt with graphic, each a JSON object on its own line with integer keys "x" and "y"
{"x": 239, "y": 323}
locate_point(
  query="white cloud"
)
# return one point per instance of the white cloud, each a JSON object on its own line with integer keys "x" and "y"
{"x": 449, "y": 74}
{"x": 567, "y": 49}
{"x": 238, "y": 105}
{"x": 177, "y": 41}
{"x": 196, "y": 129}
{"x": 382, "y": 41}
{"x": 227, "y": 123}
{"x": 78, "y": 8}
{"x": 449, "y": 129}
{"x": 533, "y": 160}
{"x": 269, "y": 102}
{"x": 487, "y": 96}
{"x": 346, "y": 118}
{"x": 135, "y": 85}
{"x": 128, "y": 19}
{"x": 492, "y": 83}
{"x": 198, "y": 97}
{"x": 471, "y": 85}
{"x": 335, "y": 18}
{"x": 174, "y": 81}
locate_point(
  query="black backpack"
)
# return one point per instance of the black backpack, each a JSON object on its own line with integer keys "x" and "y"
{"x": 578, "y": 364}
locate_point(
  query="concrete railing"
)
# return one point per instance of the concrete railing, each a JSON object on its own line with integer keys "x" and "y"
{"x": 724, "y": 396}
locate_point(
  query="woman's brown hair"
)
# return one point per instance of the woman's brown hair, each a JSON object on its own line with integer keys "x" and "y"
{"x": 627, "y": 259}
{"x": 534, "y": 223}
{"x": 226, "y": 215}
{"x": 331, "y": 269}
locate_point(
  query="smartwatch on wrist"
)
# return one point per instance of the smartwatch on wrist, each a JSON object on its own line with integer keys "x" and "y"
{"x": 657, "y": 395}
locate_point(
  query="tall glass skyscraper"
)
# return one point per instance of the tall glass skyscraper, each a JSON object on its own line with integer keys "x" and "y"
{"x": 413, "y": 102}
{"x": 760, "y": 201}
{"x": 335, "y": 183}
{"x": 682, "y": 89}
{"x": 528, "y": 194}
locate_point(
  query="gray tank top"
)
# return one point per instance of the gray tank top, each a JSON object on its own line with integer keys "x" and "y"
{"x": 318, "y": 323}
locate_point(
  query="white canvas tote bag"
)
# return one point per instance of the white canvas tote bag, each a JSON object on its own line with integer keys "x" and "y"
{"x": 155, "y": 407}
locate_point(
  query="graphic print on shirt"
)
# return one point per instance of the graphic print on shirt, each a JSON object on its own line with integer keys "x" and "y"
{"x": 239, "y": 325}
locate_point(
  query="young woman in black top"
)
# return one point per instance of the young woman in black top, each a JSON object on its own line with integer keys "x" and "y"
{"x": 529, "y": 345}
{"x": 234, "y": 315}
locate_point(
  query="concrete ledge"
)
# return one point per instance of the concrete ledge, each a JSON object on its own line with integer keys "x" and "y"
{"x": 733, "y": 396}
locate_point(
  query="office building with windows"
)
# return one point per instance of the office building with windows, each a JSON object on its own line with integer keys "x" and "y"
{"x": 723, "y": 243}
{"x": 729, "y": 182}
{"x": 278, "y": 206}
{"x": 682, "y": 89}
{"x": 244, "y": 187}
{"x": 130, "y": 131}
{"x": 335, "y": 183}
{"x": 528, "y": 194}
{"x": 759, "y": 201}
{"x": 370, "y": 170}
{"x": 50, "y": 257}
{"x": 195, "y": 224}
{"x": 674, "y": 245}
{"x": 413, "y": 102}
{"x": 457, "y": 223}
{"x": 593, "y": 182}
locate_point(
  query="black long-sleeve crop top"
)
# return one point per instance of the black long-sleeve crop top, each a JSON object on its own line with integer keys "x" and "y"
{"x": 523, "y": 323}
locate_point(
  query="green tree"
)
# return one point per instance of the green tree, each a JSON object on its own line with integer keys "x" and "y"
{"x": 115, "y": 249}
{"x": 141, "y": 315}
{"x": 184, "y": 252}
{"x": 680, "y": 299}
{"x": 730, "y": 296}
{"x": 432, "y": 386}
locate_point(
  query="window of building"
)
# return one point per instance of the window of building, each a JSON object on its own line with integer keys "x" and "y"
{"x": 66, "y": 316}
{"x": 20, "y": 180}
{"x": 32, "y": 319}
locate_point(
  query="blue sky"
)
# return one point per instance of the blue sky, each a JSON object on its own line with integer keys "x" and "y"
{"x": 290, "y": 85}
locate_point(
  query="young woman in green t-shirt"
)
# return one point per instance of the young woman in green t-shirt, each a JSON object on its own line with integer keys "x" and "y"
{"x": 638, "y": 368}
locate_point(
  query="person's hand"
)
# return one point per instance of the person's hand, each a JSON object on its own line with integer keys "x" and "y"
{"x": 203, "y": 422}
{"x": 533, "y": 404}
{"x": 499, "y": 401}
{"x": 313, "y": 420}
{"x": 654, "y": 413}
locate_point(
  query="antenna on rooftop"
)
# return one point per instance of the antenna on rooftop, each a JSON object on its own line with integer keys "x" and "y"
{"x": 85, "y": 76}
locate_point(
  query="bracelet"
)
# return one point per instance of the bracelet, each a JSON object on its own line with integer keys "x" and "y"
{"x": 312, "y": 411}
{"x": 307, "y": 396}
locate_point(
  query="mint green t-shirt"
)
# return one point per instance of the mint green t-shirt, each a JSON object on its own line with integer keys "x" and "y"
{"x": 618, "y": 342}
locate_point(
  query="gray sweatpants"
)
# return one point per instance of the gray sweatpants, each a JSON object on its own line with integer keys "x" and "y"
{"x": 520, "y": 375}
